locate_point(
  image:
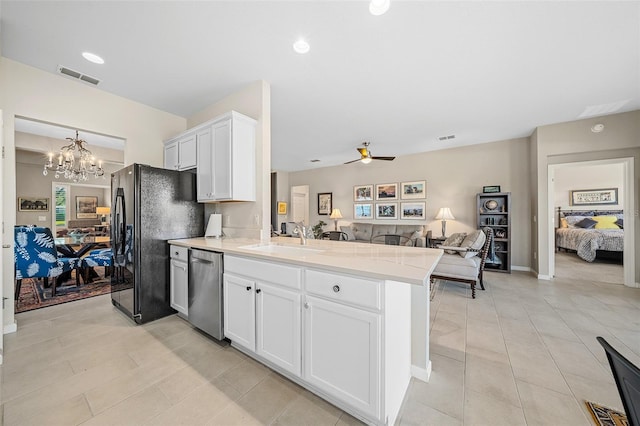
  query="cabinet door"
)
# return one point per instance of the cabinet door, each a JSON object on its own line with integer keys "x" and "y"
{"x": 204, "y": 172}
{"x": 239, "y": 311}
{"x": 342, "y": 352}
{"x": 278, "y": 326}
{"x": 222, "y": 160}
{"x": 179, "y": 286}
{"x": 171, "y": 156}
{"x": 187, "y": 152}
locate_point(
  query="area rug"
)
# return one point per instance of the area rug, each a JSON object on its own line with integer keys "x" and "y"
{"x": 34, "y": 296}
{"x": 605, "y": 416}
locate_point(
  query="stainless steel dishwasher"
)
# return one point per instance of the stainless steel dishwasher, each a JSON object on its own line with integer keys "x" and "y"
{"x": 205, "y": 292}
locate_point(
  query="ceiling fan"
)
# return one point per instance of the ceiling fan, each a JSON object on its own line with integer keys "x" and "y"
{"x": 366, "y": 157}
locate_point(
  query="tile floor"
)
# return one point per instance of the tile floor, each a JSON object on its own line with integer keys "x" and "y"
{"x": 523, "y": 352}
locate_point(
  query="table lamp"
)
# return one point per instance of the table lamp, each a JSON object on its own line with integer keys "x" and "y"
{"x": 103, "y": 212}
{"x": 443, "y": 214}
{"x": 335, "y": 215}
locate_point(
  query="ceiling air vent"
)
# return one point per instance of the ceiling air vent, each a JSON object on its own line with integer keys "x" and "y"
{"x": 446, "y": 138}
{"x": 78, "y": 75}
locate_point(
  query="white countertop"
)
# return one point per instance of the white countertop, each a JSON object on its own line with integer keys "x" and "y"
{"x": 411, "y": 265}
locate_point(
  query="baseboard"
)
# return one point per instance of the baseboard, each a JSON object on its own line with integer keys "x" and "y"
{"x": 421, "y": 373}
{"x": 544, "y": 277}
{"x": 10, "y": 328}
{"x": 520, "y": 268}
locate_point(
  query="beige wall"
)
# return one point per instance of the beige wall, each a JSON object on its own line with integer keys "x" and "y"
{"x": 247, "y": 219}
{"x": 32, "y": 93}
{"x": 574, "y": 142}
{"x": 585, "y": 176}
{"x": 454, "y": 177}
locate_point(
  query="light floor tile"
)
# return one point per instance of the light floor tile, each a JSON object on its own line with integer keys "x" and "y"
{"x": 544, "y": 407}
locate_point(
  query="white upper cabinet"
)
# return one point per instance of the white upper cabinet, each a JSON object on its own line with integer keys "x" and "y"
{"x": 180, "y": 152}
{"x": 226, "y": 159}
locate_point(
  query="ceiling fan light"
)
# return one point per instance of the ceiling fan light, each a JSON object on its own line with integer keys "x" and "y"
{"x": 366, "y": 160}
{"x": 379, "y": 7}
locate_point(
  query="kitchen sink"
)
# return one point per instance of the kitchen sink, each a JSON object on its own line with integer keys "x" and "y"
{"x": 280, "y": 249}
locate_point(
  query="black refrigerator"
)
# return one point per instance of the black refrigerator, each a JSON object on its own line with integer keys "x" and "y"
{"x": 149, "y": 206}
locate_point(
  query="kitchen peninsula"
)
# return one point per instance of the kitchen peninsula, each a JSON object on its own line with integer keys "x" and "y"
{"x": 348, "y": 321}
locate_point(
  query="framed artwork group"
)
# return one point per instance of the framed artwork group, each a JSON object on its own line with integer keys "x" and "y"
{"x": 382, "y": 193}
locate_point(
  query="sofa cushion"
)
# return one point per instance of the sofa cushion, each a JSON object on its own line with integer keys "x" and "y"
{"x": 348, "y": 231}
{"x": 474, "y": 241}
{"x": 454, "y": 241}
{"x": 380, "y": 229}
{"x": 362, "y": 231}
{"x": 452, "y": 265}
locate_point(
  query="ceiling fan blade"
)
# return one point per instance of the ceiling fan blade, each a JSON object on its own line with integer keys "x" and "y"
{"x": 349, "y": 162}
{"x": 384, "y": 158}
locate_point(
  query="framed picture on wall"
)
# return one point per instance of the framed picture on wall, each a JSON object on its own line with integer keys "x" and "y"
{"x": 594, "y": 197}
{"x": 30, "y": 204}
{"x": 387, "y": 211}
{"x": 412, "y": 210}
{"x": 387, "y": 191}
{"x": 282, "y": 207}
{"x": 363, "y": 211}
{"x": 363, "y": 193}
{"x": 413, "y": 190}
{"x": 86, "y": 207}
{"x": 324, "y": 203}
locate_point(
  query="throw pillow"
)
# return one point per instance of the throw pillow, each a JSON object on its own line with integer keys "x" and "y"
{"x": 586, "y": 223}
{"x": 475, "y": 241}
{"x": 454, "y": 241}
{"x": 564, "y": 223}
{"x": 620, "y": 222}
{"x": 606, "y": 222}
{"x": 573, "y": 220}
{"x": 348, "y": 232}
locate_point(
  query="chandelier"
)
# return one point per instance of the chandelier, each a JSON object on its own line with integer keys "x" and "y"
{"x": 75, "y": 162}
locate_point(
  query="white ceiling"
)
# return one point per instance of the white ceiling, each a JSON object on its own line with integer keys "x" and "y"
{"x": 484, "y": 71}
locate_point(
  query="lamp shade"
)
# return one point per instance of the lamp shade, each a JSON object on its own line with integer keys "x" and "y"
{"x": 335, "y": 214}
{"x": 445, "y": 214}
{"x": 103, "y": 211}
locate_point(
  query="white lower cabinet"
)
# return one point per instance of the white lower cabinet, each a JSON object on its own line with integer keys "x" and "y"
{"x": 179, "y": 280}
{"x": 342, "y": 352}
{"x": 349, "y": 341}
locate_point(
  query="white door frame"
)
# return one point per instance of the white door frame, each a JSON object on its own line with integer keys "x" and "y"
{"x": 629, "y": 257}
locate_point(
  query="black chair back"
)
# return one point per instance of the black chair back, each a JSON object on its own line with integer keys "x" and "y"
{"x": 627, "y": 377}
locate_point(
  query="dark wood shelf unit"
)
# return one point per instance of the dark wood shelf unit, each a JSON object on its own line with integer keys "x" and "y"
{"x": 494, "y": 210}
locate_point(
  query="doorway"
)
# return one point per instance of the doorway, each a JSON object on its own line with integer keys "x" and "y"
{"x": 618, "y": 173}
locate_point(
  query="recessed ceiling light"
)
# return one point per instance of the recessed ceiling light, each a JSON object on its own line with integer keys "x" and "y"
{"x": 301, "y": 46}
{"x": 597, "y": 128}
{"x": 379, "y": 7}
{"x": 92, "y": 57}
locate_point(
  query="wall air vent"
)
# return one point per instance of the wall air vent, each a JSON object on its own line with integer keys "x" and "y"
{"x": 446, "y": 138}
{"x": 315, "y": 161}
{"x": 78, "y": 75}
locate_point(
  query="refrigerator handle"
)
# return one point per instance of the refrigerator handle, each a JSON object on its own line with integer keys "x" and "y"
{"x": 120, "y": 231}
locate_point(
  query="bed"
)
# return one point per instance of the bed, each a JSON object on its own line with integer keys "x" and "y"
{"x": 592, "y": 243}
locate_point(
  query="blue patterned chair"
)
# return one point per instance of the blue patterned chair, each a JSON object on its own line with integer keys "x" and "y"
{"x": 101, "y": 257}
{"x": 35, "y": 256}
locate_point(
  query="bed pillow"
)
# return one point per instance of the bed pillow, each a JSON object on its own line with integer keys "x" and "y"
{"x": 606, "y": 222}
{"x": 620, "y": 222}
{"x": 564, "y": 223}
{"x": 454, "y": 241}
{"x": 572, "y": 220}
{"x": 586, "y": 223}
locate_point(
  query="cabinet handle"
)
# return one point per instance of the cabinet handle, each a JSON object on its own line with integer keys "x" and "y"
{"x": 336, "y": 288}
{"x": 248, "y": 288}
{"x": 176, "y": 253}
{"x": 258, "y": 290}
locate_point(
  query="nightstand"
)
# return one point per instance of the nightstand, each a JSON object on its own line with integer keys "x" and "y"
{"x": 434, "y": 242}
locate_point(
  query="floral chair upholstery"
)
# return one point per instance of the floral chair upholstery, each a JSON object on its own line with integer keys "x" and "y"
{"x": 35, "y": 256}
{"x": 101, "y": 257}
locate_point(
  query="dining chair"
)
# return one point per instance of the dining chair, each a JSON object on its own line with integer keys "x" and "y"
{"x": 101, "y": 257}
{"x": 627, "y": 377}
{"x": 35, "y": 256}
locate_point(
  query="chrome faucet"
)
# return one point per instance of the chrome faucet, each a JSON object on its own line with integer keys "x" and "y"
{"x": 302, "y": 232}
